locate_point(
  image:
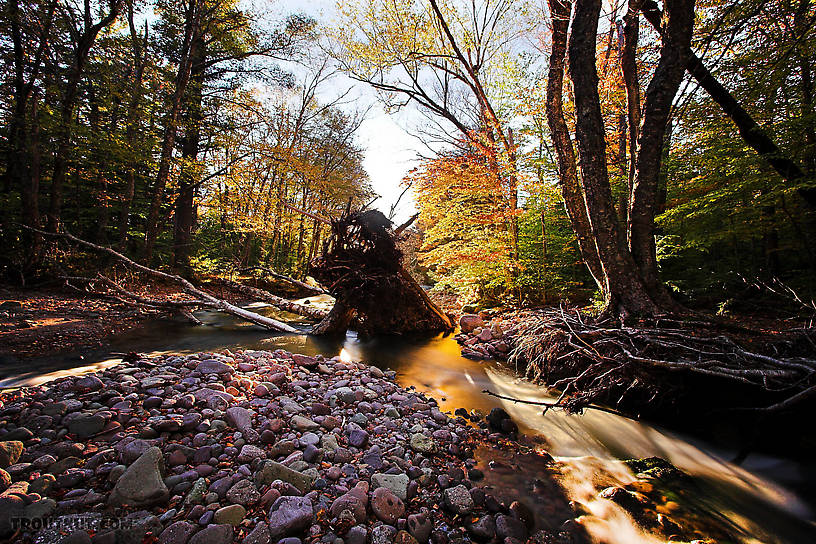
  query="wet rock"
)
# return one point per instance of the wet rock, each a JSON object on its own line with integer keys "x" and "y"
{"x": 483, "y": 529}
{"x": 289, "y": 515}
{"x": 10, "y": 451}
{"x": 458, "y": 500}
{"x": 214, "y": 534}
{"x": 177, "y": 533}
{"x": 142, "y": 482}
{"x": 499, "y": 420}
{"x": 386, "y": 506}
{"x": 469, "y": 322}
{"x": 510, "y": 527}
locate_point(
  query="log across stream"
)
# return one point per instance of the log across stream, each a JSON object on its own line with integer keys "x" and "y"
{"x": 771, "y": 499}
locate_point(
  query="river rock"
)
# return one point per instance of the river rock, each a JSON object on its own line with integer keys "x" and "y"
{"x": 458, "y": 500}
{"x": 214, "y": 534}
{"x": 271, "y": 471}
{"x": 468, "y": 322}
{"x": 233, "y": 515}
{"x": 420, "y": 526}
{"x": 10, "y": 452}
{"x": 259, "y": 535}
{"x": 142, "y": 482}
{"x": 396, "y": 483}
{"x": 289, "y": 515}
{"x": 422, "y": 443}
{"x": 243, "y": 492}
{"x": 387, "y": 506}
{"x": 212, "y": 366}
{"x": 177, "y": 533}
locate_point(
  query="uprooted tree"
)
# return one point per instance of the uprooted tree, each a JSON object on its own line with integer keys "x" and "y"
{"x": 361, "y": 266}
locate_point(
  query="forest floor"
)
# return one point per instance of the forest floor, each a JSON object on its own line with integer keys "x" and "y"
{"x": 56, "y": 320}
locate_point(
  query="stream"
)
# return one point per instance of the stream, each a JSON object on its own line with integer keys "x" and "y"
{"x": 766, "y": 499}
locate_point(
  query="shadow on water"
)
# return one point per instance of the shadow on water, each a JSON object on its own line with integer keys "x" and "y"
{"x": 756, "y": 497}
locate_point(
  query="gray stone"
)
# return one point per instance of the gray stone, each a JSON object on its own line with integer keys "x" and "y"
{"x": 272, "y": 471}
{"x": 259, "y": 535}
{"x": 304, "y": 424}
{"x": 212, "y": 366}
{"x": 458, "y": 500}
{"x": 397, "y": 483}
{"x": 243, "y": 492}
{"x": 142, "y": 482}
{"x": 422, "y": 443}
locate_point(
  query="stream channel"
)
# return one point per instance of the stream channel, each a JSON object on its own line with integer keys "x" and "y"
{"x": 766, "y": 499}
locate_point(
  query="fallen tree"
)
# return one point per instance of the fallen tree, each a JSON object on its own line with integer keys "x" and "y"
{"x": 276, "y": 301}
{"x": 361, "y": 266}
{"x": 203, "y": 298}
{"x": 317, "y": 290}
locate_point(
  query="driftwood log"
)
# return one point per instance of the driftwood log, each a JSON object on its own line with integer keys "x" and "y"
{"x": 203, "y": 298}
{"x": 361, "y": 266}
{"x": 276, "y": 301}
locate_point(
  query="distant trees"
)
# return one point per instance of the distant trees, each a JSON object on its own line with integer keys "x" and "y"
{"x": 119, "y": 121}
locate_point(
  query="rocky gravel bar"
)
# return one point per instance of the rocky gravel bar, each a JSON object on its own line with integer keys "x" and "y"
{"x": 253, "y": 447}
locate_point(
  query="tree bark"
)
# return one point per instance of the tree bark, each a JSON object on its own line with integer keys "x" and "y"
{"x": 191, "y": 31}
{"x": 185, "y": 199}
{"x": 625, "y": 293}
{"x": 675, "y": 47}
{"x": 567, "y": 171}
{"x": 631, "y": 32}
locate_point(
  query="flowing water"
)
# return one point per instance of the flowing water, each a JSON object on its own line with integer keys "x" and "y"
{"x": 766, "y": 499}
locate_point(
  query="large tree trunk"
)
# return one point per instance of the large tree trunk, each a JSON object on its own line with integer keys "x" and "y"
{"x": 188, "y": 180}
{"x": 565, "y": 154}
{"x": 631, "y": 32}
{"x": 675, "y": 47}
{"x": 191, "y": 34}
{"x": 625, "y": 292}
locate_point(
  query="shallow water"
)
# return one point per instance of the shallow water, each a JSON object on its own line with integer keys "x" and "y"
{"x": 767, "y": 499}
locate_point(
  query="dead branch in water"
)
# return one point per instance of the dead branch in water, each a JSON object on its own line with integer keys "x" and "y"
{"x": 279, "y": 302}
{"x": 602, "y": 363}
{"x": 316, "y": 289}
{"x": 204, "y": 298}
{"x": 548, "y": 405}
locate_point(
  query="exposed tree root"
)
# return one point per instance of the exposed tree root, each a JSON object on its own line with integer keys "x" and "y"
{"x": 361, "y": 266}
{"x": 607, "y": 364}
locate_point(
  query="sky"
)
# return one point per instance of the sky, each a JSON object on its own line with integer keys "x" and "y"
{"x": 390, "y": 151}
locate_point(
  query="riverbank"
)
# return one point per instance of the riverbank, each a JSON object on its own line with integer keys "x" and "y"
{"x": 259, "y": 446}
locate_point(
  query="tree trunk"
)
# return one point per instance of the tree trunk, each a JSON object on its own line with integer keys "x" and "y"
{"x": 188, "y": 180}
{"x": 82, "y": 49}
{"x": 631, "y": 32}
{"x": 675, "y": 46}
{"x": 191, "y": 35}
{"x": 625, "y": 293}
{"x": 565, "y": 154}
